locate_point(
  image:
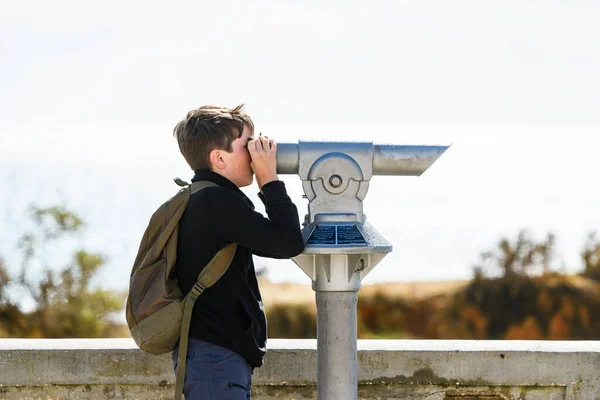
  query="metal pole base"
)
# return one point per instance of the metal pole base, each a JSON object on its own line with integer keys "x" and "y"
{"x": 337, "y": 368}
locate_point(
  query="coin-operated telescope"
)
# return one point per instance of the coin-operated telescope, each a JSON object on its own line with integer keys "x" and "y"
{"x": 341, "y": 247}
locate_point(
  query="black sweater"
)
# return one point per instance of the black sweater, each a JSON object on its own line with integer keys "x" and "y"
{"x": 230, "y": 313}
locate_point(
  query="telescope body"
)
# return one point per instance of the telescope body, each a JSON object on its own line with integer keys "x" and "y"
{"x": 386, "y": 159}
{"x": 335, "y": 178}
{"x": 341, "y": 247}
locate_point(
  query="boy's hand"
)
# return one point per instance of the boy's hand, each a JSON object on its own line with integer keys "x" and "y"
{"x": 264, "y": 162}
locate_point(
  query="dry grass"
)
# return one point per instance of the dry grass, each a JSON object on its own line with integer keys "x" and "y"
{"x": 290, "y": 293}
{"x": 414, "y": 290}
{"x": 285, "y": 293}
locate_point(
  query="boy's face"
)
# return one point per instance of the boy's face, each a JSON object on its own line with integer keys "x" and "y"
{"x": 238, "y": 168}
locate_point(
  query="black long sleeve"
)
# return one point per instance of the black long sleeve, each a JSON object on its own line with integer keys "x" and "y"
{"x": 278, "y": 235}
{"x": 230, "y": 313}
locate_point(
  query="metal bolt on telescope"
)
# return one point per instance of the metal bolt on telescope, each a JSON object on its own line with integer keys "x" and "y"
{"x": 341, "y": 246}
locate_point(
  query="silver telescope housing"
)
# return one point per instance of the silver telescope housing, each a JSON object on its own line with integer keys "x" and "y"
{"x": 387, "y": 159}
{"x": 341, "y": 247}
{"x": 335, "y": 178}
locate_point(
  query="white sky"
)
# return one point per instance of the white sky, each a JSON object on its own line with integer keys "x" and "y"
{"x": 93, "y": 91}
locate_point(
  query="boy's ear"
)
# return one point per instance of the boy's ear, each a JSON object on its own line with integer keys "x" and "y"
{"x": 216, "y": 159}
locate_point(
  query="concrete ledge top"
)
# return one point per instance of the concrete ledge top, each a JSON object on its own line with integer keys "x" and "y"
{"x": 569, "y": 367}
{"x": 311, "y": 344}
{"x": 538, "y": 346}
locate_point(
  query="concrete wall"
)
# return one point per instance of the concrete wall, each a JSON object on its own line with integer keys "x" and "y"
{"x": 389, "y": 369}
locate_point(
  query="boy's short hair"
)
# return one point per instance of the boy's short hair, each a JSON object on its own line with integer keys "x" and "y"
{"x": 209, "y": 128}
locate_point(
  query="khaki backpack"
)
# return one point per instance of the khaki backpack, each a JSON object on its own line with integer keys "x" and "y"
{"x": 157, "y": 313}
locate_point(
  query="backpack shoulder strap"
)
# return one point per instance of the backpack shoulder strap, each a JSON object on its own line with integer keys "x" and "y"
{"x": 199, "y": 185}
{"x": 209, "y": 275}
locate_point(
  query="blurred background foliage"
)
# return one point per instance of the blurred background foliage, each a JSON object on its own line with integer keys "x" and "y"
{"x": 516, "y": 293}
{"x": 64, "y": 303}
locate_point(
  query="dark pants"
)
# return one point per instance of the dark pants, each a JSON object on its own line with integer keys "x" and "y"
{"x": 215, "y": 373}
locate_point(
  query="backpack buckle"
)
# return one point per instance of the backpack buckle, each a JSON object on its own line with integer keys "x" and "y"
{"x": 198, "y": 287}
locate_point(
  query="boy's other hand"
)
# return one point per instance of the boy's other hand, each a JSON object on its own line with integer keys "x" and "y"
{"x": 263, "y": 152}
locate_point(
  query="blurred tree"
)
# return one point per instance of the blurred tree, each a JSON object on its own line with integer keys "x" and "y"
{"x": 7, "y": 313}
{"x": 65, "y": 304}
{"x": 513, "y": 296}
{"x": 591, "y": 257}
{"x": 3, "y": 278}
{"x": 520, "y": 258}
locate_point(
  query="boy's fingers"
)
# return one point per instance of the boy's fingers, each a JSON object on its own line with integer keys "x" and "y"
{"x": 255, "y": 145}
{"x": 264, "y": 143}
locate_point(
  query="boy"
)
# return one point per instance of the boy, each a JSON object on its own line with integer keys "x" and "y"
{"x": 228, "y": 333}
